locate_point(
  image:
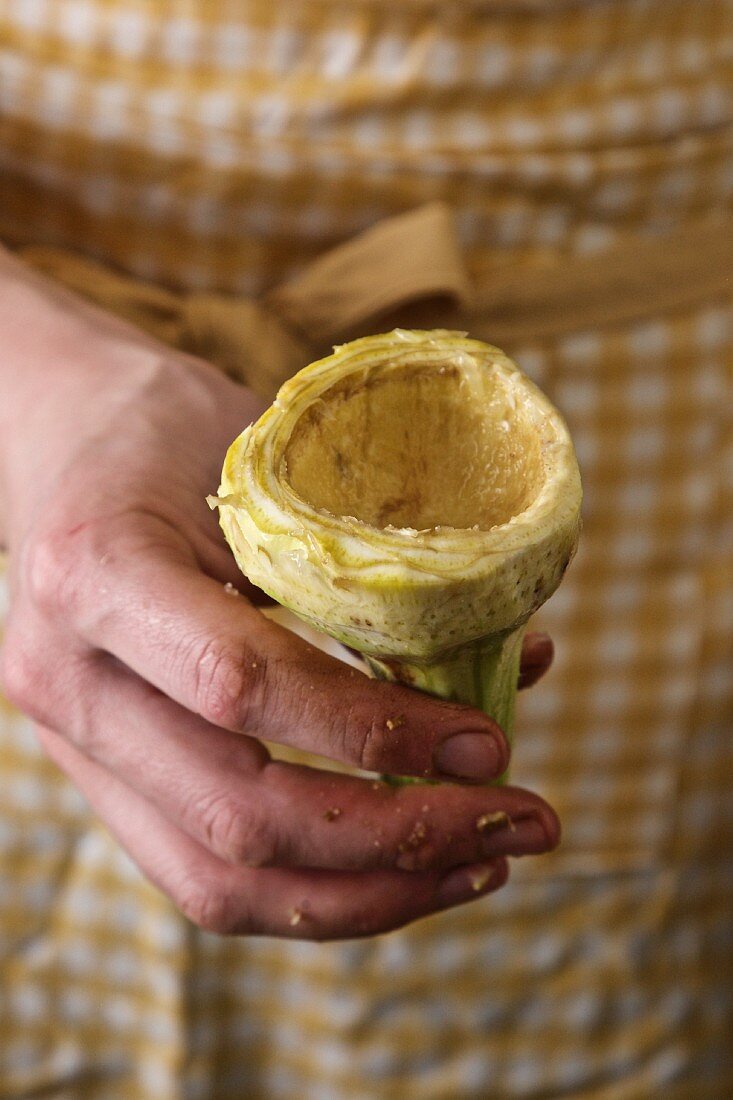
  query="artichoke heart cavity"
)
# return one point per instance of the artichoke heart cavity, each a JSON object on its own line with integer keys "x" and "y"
{"x": 411, "y": 494}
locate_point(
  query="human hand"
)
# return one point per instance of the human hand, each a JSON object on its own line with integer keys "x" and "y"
{"x": 153, "y": 686}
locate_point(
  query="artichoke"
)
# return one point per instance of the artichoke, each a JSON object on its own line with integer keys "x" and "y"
{"x": 416, "y": 497}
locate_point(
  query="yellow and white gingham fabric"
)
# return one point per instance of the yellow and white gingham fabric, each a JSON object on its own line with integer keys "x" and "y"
{"x": 215, "y": 145}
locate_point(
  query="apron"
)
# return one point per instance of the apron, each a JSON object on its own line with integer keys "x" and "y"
{"x": 252, "y": 182}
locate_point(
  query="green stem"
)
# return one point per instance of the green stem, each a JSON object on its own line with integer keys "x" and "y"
{"x": 484, "y": 674}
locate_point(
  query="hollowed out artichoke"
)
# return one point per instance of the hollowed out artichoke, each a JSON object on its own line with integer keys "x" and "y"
{"x": 416, "y": 497}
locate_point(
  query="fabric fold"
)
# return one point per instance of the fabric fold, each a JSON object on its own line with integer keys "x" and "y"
{"x": 261, "y": 342}
{"x": 408, "y": 270}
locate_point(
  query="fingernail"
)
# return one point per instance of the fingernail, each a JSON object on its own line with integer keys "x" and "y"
{"x": 464, "y": 883}
{"x": 479, "y": 756}
{"x": 517, "y": 838}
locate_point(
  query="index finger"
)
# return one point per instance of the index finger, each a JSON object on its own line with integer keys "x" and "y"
{"x": 220, "y": 658}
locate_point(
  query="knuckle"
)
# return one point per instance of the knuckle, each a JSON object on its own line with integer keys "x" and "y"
{"x": 376, "y": 734}
{"x": 209, "y": 906}
{"x": 49, "y": 685}
{"x": 20, "y": 674}
{"x": 55, "y": 567}
{"x": 238, "y": 833}
{"x": 227, "y": 683}
{"x": 368, "y": 743}
{"x": 62, "y": 563}
{"x": 420, "y": 848}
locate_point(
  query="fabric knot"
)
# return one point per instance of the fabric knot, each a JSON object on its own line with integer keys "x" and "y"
{"x": 402, "y": 259}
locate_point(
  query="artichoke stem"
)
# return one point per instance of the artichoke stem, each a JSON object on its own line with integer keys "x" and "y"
{"x": 484, "y": 674}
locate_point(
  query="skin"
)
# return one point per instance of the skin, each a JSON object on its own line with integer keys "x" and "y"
{"x": 152, "y": 686}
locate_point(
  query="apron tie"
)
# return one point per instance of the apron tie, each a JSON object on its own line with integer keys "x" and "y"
{"x": 409, "y": 270}
{"x": 262, "y": 341}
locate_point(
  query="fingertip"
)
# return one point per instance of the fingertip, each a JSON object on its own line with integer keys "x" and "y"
{"x": 473, "y": 756}
{"x": 538, "y": 652}
{"x": 551, "y": 825}
{"x": 501, "y": 876}
{"x": 472, "y": 881}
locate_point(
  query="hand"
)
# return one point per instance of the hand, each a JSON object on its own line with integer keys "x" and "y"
{"x": 152, "y": 684}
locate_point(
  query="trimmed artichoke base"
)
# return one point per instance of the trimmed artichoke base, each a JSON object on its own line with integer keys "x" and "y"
{"x": 416, "y": 497}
